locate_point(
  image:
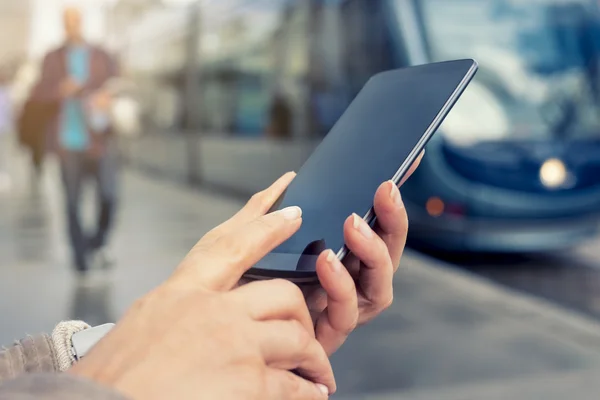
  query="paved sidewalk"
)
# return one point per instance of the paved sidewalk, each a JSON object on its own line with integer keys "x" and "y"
{"x": 475, "y": 341}
{"x": 579, "y": 385}
{"x": 446, "y": 334}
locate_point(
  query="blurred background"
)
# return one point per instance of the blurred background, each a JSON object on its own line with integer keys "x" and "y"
{"x": 499, "y": 293}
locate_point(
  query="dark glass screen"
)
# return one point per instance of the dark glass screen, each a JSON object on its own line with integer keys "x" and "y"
{"x": 378, "y": 133}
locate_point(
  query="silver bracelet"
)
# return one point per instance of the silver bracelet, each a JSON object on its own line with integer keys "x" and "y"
{"x": 83, "y": 341}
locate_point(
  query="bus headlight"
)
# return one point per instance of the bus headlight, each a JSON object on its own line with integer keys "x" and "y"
{"x": 553, "y": 173}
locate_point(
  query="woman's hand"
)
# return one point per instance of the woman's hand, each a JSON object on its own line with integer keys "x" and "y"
{"x": 196, "y": 336}
{"x": 355, "y": 293}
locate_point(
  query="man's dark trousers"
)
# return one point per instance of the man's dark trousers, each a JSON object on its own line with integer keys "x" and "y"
{"x": 77, "y": 168}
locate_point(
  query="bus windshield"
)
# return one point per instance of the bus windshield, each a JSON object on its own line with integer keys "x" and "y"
{"x": 539, "y": 67}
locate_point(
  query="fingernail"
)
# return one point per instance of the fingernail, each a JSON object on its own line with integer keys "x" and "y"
{"x": 395, "y": 195}
{"x": 332, "y": 261}
{"x": 323, "y": 389}
{"x": 361, "y": 226}
{"x": 291, "y": 213}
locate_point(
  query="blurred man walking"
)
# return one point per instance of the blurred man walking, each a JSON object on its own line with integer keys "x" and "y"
{"x": 73, "y": 77}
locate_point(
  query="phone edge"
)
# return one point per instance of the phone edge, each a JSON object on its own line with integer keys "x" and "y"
{"x": 370, "y": 217}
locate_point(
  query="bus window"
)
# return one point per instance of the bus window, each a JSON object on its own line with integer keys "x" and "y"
{"x": 539, "y": 66}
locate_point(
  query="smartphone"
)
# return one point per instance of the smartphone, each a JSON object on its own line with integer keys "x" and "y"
{"x": 378, "y": 138}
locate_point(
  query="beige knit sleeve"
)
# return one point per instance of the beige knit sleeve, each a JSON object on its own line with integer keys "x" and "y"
{"x": 33, "y": 354}
{"x": 55, "y": 387}
{"x": 40, "y": 353}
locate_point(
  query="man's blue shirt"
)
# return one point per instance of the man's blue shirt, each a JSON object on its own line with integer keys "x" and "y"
{"x": 73, "y": 128}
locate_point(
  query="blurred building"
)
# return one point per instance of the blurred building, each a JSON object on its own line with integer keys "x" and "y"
{"x": 47, "y": 23}
{"x": 150, "y": 38}
{"x": 245, "y": 88}
{"x": 15, "y": 18}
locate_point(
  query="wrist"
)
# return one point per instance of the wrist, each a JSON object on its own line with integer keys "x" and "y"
{"x": 101, "y": 370}
{"x": 110, "y": 364}
{"x": 94, "y": 370}
{"x": 73, "y": 341}
{"x": 112, "y": 373}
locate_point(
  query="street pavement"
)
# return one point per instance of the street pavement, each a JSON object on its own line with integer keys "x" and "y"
{"x": 448, "y": 336}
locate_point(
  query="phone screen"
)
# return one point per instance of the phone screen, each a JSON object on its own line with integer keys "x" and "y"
{"x": 380, "y": 134}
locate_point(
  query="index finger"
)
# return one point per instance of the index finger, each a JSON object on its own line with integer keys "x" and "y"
{"x": 340, "y": 317}
{"x": 258, "y": 205}
{"x": 392, "y": 220}
{"x": 219, "y": 264}
{"x": 413, "y": 168}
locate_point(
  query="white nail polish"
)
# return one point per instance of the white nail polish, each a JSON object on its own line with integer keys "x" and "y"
{"x": 333, "y": 262}
{"x": 323, "y": 389}
{"x": 361, "y": 226}
{"x": 395, "y": 195}
{"x": 291, "y": 213}
{"x": 330, "y": 256}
